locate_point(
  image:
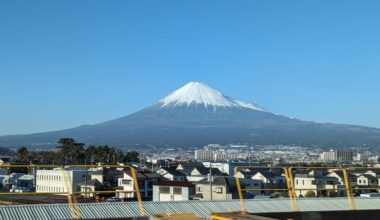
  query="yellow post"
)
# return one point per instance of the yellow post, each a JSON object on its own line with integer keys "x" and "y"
{"x": 71, "y": 197}
{"x": 348, "y": 190}
{"x": 138, "y": 195}
{"x": 242, "y": 204}
{"x": 292, "y": 192}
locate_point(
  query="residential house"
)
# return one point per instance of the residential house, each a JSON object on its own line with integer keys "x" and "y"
{"x": 186, "y": 168}
{"x": 218, "y": 188}
{"x": 107, "y": 176}
{"x": 145, "y": 180}
{"x": 101, "y": 180}
{"x": 171, "y": 174}
{"x": 321, "y": 186}
{"x": 270, "y": 180}
{"x": 24, "y": 183}
{"x": 200, "y": 173}
{"x": 9, "y": 181}
{"x": 90, "y": 186}
{"x": 340, "y": 176}
{"x": 228, "y": 167}
{"x": 173, "y": 191}
{"x": 253, "y": 186}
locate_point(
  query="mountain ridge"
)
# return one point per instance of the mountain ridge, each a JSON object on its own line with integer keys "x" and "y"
{"x": 197, "y": 115}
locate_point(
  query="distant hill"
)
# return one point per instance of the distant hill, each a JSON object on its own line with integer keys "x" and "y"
{"x": 6, "y": 152}
{"x": 196, "y": 115}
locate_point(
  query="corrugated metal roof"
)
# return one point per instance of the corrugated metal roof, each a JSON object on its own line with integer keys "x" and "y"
{"x": 199, "y": 208}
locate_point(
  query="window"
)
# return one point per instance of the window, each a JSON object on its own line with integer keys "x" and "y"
{"x": 125, "y": 182}
{"x": 164, "y": 189}
{"x": 199, "y": 189}
{"x": 177, "y": 190}
{"x": 219, "y": 190}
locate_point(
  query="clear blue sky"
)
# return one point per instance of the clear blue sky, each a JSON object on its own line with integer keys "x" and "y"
{"x": 69, "y": 62}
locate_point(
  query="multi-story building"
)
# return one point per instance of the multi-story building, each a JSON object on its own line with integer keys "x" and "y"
{"x": 60, "y": 181}
{"x": 336, "y": 155}
{"x": 204, "y": 155}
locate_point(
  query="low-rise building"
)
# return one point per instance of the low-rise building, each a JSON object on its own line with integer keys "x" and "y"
{"x": 173, "y": 191}
{"x": 60, "y": 181}
{"x": 218, "y": 188}
{"x": 145, "y": 180}
{"x": 324, "y": 186}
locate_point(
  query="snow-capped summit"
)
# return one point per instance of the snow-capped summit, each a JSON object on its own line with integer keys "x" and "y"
{"x": 200, "y": 94}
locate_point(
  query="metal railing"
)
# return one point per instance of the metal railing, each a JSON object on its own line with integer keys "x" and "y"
{"x": 291, "y": 189}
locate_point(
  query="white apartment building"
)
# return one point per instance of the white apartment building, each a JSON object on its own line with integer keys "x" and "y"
{"x": 336, "y": 155}
{"x": 59, "y": 181}
{"x": 204, "y": 155}
{"x": 208, "y": 155}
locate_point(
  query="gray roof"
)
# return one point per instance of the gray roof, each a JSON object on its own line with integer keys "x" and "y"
{"x": 222, "y": 181}
{"x": 206, "y": 171}
{"x": 173, "y": 171}
{"x": 26, "y": 177}
{"x": 199, "y": 208}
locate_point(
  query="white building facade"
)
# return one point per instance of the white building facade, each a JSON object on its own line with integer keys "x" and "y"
{"x": 59, "y": 181}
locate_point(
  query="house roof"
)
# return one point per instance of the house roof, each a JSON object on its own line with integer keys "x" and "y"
{"x": 206, "y": 171}
{"x": 340, "y": 173}
{"x": 26, "y": 177}
{"x": 173, "y": 171}
{"x": 222, "y": 181}
{"x": 188, "y": 167}
{"x": 267, "y": 174}
{"x": 368, "y": 176}
{"x": 191, "y": 165}
{"x": 175, "y": 183}
{"x": 144, "y": 175}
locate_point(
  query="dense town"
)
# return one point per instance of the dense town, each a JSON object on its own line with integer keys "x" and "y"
{"x": 207, "y": 173}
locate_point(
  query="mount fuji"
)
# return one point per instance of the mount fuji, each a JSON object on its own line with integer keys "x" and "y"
{"x": 196, "y": 115}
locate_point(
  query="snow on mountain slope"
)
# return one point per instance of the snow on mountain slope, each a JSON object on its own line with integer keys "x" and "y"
{"x": 200, "y": 94}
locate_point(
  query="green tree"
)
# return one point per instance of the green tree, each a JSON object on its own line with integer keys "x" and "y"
{"x": 131, "y": 156}
{"x": 43, "y": 157}
{"x": 70, "y": 151}
{"x": 23, "y": 155}
{"x": 91, "y": 153}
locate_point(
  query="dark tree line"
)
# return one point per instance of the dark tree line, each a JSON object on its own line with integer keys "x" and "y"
{"x": 71, "y": 152}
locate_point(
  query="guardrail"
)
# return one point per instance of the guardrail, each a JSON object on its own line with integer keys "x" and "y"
{"x": 291, "y": 189}
{"x": 287, "y": 171}
{"x": 71, "y": 196}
